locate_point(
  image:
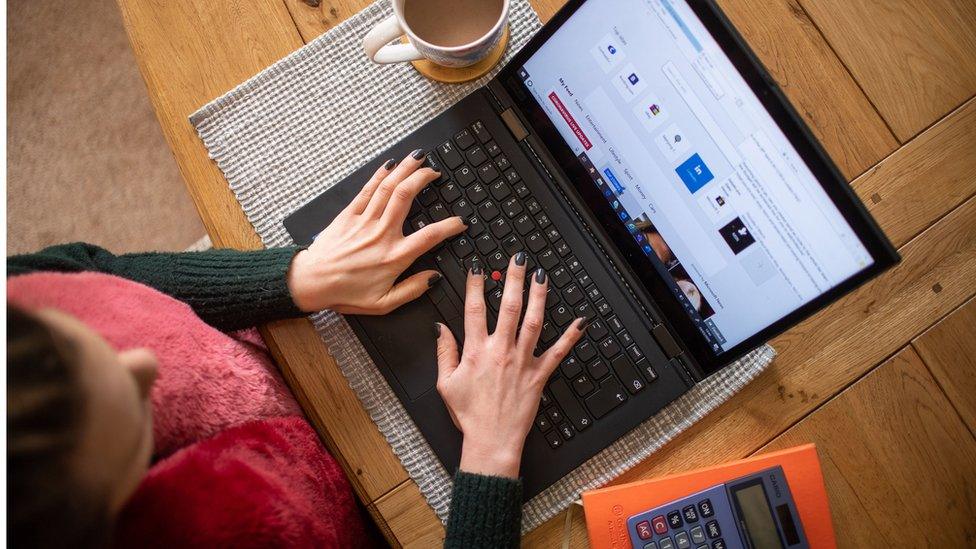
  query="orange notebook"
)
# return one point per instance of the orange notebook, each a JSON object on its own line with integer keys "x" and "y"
{"x": 608, "y": 509}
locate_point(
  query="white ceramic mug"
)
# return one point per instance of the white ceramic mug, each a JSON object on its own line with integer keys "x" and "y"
{"x": 379, "y": 50}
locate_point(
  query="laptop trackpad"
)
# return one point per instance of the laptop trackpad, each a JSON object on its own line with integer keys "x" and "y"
{"x": 405, "y": 340}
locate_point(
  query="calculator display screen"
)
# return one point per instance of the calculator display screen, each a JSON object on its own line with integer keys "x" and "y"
{"x": 758, "y": 517}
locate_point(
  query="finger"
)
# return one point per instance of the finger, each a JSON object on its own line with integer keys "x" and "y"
{"x": 407, "y": 290}
{"x": 447, "y": 354}
{"x": 561, "y": 348}
{"x": 424, "y": 240}
{"x": 377, "y": 203}
{"x": 475, "y": 325}
{"x": 359, "y": 203}
{"x": 535, "y": 313}
{"x": 404, "y": 193}
{"x": 510, "y": 309}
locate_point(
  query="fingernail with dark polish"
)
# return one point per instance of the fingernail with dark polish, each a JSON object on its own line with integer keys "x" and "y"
{"x": 437, "y": 330}
{"x": 417, "y": 154}
{"x": 476, "y": 266}
{"x": 463, "y": 221}
{"x": 520, "y": 259}
{"x": 390, "y": 164}
{"x": 434, "y": 279}
{"x": 540, "y": 275}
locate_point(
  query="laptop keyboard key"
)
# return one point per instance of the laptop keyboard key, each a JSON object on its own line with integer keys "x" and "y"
{"x": 562, "y": 248}
{"x": 450, "y": 155}
{"x": 427, "y": 196}
{"x": 555, "y": 416}
{"x": 485, "y": 243}
{"x": 566, "y": 431}
{"x": 543, "y": 423}
{"x": 603, "y": 307}
{"x": 511, "y": 245}
{"x": 438, "y": 212}
{"x": 502, "y": 162}
{"x": 598, "y": 369}
{"x": 645, "y": 368}
{"x": 500, "y": 190}
{"x": 488, "y": 210}
{"x": 560, "y": 277}
{"x": 419, "y": 222}
{"x": 570, "y": 405}
{"x": 465, "y": 176}
{"x": 609, "y": 348}
{"x": 535, "y": 242}
{"x": 500, "y": 228}
{"x": 561, "y": 315}
{"x": 476, "y": 156}
{"x": 597, "y": 330}
{"x": 493, "y": 148}
{"x": 450, "y": 192}
{"x": 475, "y": 226}
{"x": 570, "y": 367}
{"x": 477, "y": 193}
{"x": 512, "y": 176}
{"x": 549, "y": 333}
{"x": 533, "y": 206}
{"x": 572, "y": 294}
{"x": 543, "y": 220}
{"x": 573, "y": 264}
{"x": 627, "y": 374}
{"x": 524, "y": 225}
{"x": 635, "y": 353}
{"x": 521, "y": 190}
{"x": 614, "y": 324}
{"x": 512, "y": 207}
{"x": 464, "y": 139}
{"x": 606, "y": 398}
{"x": 583, "y": 279}
{"x": 582, "y": 385}
{"x": 462, "y": 208}
{"x": 625, "y": 339}
{"x": 548, "y": 259}
{"x": 585, "y": 350}
{"x": 488, "y": 173}
{"x": 555, "y": 441}
{"x": 497, "y": 261}
{"x": 462, "y": 247}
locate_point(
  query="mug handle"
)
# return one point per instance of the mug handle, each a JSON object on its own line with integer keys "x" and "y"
{"x": 378, "y": 47}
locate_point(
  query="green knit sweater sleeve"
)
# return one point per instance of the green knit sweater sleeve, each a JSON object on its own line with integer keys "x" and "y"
{"x": 486, "y": 511}
{"x": 228, "y": 289}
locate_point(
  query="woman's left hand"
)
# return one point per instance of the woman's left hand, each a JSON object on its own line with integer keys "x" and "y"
{"x": 353, "y": 265}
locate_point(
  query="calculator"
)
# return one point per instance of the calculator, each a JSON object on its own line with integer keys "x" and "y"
{"x": 756, "y": 511}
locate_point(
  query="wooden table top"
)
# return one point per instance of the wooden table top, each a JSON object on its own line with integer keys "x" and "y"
{"x": 881, "y": 381}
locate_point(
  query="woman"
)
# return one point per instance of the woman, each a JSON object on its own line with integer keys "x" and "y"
{"x": 79, "y": 414}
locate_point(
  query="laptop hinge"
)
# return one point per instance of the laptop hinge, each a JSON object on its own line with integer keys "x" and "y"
{"x": 514, "y": 124}
{"x": 666, "y": 340}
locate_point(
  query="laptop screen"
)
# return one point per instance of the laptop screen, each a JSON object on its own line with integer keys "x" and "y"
{"x": 722, "y": 205}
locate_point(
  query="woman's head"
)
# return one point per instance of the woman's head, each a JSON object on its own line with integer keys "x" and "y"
{"x": 79, "y": 428}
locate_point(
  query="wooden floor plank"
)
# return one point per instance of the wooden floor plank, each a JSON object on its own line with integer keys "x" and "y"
{"x": 949, "y": 350}
{"x": 925, "y": 179}
{"x": 898, "y": 462}
{"x": 915, "y": 60}
{"x": 827, "y": 352}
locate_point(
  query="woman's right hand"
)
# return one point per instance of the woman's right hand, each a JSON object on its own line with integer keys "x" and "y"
{"x": 493, "y": 389}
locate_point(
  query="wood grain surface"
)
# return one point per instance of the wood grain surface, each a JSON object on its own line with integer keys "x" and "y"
{"x": 914, "y": 59}
{"x": 895, "y": 457}
{"x": 921, "y": 193}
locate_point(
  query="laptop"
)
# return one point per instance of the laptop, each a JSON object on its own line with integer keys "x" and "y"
{"x": 638, "y": 151}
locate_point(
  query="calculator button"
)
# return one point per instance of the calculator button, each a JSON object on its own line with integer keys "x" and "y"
{"x": 691, "y": 515}
{"x": 718, "y": 544}
{"x": 681, "y": 540}
{"x": 665, "y": 543}
{"x": 660, "y": 526}
{"x": 705, "y": 506}
{"x": 697, "y": 534}
{"x": 713, "y": 530}
{"x": 674, "y": 520}
{"x": 644, "y": 530}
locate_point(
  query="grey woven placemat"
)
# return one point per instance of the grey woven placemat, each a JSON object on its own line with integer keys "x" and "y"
{"x": 301, "y": 125}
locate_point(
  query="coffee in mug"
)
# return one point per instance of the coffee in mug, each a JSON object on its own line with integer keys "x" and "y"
{"x": 452, "y": 33}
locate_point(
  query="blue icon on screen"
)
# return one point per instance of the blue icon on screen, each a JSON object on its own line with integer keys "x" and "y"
{"x": 624, "y": 216}
{"x": 633, "y": 79}
{"x": 615, "y": 204}
{"x": 694, "y": 173}
{"x": 612, "y": 49}
{"x": 607, "y": 193}
{"x": 648, "y": 249}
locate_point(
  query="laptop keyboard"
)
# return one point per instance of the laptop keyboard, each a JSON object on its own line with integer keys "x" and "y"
{"x": 479, "y": 183}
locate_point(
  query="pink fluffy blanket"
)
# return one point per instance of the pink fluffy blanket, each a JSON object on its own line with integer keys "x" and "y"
{"x": 236, "y": 463}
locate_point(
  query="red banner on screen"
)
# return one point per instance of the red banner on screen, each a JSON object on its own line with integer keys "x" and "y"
{"x": 570, "y": 120}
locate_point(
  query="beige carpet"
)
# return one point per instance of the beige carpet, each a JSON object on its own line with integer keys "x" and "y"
{"x": 86, "y": 157}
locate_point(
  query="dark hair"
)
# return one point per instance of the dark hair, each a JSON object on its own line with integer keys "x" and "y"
{"x": 46, "y": 506}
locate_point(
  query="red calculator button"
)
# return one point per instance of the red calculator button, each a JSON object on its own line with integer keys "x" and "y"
{"x": 660, "y": 525}
{"x": 644, "y": 530}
